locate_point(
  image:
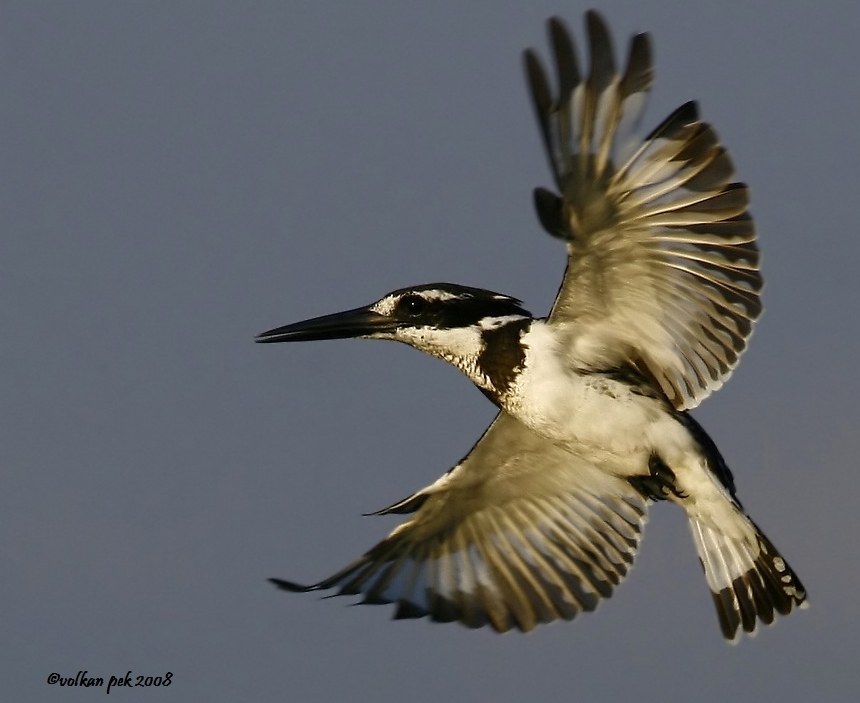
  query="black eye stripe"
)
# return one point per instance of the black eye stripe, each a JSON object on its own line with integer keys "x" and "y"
{"x": 454, "y": 312}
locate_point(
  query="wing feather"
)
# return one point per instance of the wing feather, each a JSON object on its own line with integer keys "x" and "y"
{"x": 663, "y": 269}
{"x": 520, "y": 533}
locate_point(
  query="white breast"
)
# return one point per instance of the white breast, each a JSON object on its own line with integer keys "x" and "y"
{"x": 591, "y": 411}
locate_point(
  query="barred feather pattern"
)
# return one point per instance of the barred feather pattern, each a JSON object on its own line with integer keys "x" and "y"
{"x": 750, "y": 581}
{"x": 663, "y": 269}
{"x": 521, "y": 532}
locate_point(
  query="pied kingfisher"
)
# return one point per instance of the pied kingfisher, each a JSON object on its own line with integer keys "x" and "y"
{"x": 543, "y": 517}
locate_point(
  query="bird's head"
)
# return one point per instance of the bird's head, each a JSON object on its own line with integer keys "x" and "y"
{"x": 449, "y": 321}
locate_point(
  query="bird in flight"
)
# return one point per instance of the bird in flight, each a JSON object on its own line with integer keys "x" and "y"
{"x": 543, "y": 517}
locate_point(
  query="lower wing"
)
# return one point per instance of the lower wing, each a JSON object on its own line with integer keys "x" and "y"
{"x": 520, "y": 532}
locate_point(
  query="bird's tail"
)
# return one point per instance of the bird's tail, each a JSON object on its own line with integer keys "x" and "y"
{"x": 749, "y": 579}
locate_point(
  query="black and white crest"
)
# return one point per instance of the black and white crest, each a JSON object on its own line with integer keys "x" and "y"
{"x": 448, "y": 306}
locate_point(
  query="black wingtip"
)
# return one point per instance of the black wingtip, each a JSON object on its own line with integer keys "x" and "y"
{"x": 685, "y": 115}
{"x": 592, "y": 15}
{"x": 567, "y": 68}
{"x": 557, "y": 29}
{"x": 402, "y": 507}
{"x": 688, "y": 113}
{"x": 408, "y": 611}
{"x": 639, "y": 73}
{"x": 550, "y": 212}
{"x": 292, "y": 587}
{"x": 538, "y": 85}
{"x": 600, "y": 48}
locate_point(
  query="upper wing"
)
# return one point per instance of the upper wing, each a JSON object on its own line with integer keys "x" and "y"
{"x": 663, "y": 270}
{"x": 518, "y": 533}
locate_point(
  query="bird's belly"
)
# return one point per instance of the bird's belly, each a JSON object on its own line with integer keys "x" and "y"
{"x": 594, "y": 413}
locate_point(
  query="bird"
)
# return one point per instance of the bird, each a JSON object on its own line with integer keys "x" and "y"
{"x": 543, "y": 517}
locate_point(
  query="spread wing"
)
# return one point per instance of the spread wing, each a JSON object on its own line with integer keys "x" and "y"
{"x": 520, "y": 532}
{"x": 663, "y": 270}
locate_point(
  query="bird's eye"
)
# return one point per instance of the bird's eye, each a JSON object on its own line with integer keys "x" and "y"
{"x": 413, "y": 305}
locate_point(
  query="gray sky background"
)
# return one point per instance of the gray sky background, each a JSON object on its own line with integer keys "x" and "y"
{"x": 179, "y": 176}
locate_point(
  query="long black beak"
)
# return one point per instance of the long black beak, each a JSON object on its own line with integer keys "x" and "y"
{"x": 361, "y": 322}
